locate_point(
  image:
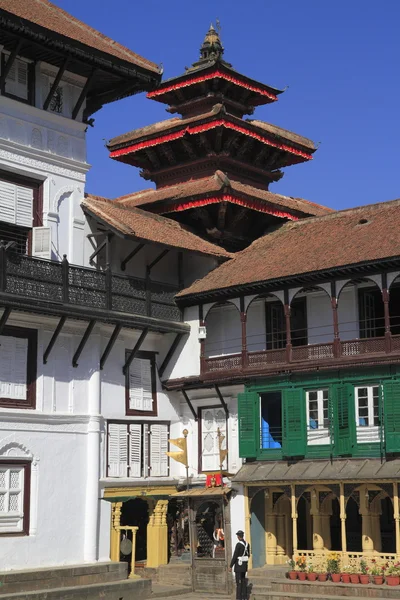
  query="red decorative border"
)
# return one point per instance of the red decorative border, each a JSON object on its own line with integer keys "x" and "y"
{"x": 192, "y": 130}
{"x": 258, "y": 205}
{"x": 160, "y": 91}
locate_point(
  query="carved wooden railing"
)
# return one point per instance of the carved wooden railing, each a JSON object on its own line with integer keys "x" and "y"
{"x": 61, "y": 283}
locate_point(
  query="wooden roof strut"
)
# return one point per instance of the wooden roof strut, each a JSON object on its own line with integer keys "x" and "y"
{"x": 83, "y": 342}
{"x": 170, "y": 353}
{"x": 125, "y": 261}
{"x": 53, "y": 340}
{"x": 135, "y": 350}
{"x": 4, "y": 318}
{"x": 221, "y": 399}
{"x": 190, "y": 405}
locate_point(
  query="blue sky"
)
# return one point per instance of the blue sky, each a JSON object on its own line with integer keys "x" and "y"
{"x": 340, "y": 59}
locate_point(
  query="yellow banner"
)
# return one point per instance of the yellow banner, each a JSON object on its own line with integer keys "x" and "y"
{"x": 180, "y": 457}
{"x": 222, "y": 453}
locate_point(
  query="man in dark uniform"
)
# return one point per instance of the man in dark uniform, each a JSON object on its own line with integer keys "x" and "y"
{"x": 240, "y": 561}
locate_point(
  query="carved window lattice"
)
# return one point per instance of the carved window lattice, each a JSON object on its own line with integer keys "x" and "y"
{"x": 57, "y": 102}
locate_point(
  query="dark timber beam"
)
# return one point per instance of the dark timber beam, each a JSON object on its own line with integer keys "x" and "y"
{"x": 83, "y": 95}
{"x": 110, "y": 345}
{"x": 221, "y": 399}
{"x": 55, "y": 85}
{"x": 98, "y": 249}
{"x": 169, "y": 354}
{"x": 4, "y": 318}
{"x": 129, "y": 257}
{"x": 222, "y": 215}
{"x": 190, "y": 405}
{"x": 83, "y": 342}
{"x": 134, "y": 351}
{"x": 157, "y": 260}
{"x": 53, "y": 340}
{"x": 9, "y": 64}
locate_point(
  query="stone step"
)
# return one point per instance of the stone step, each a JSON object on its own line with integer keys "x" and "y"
{"x": 60, "y": 577}
{"x": 341, "y": 590}
{"x": 117, "y": 590}
{"x": 169, "y": 591}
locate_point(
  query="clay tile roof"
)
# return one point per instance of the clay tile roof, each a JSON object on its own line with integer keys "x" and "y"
{"x": 342, "y": 238}
{"x": 285, "y": 133}
{"x": 145, "y": 226}
{"x": 216, "y": 183}
{"x": 51, "y": 17}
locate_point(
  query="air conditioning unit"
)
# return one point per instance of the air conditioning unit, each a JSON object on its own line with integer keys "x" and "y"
{"x": 202, "y": 332}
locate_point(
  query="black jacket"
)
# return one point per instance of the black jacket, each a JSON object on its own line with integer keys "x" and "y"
{"x": 239, "y": 551}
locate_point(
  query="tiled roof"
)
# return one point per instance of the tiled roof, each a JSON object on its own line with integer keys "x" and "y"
{"x": 51, "y": 17}
{"x": 167, "y": 125}
{"x": 346, "y": 237}
{"x": 216, "y": 183}
{"x": 145, "y": 226}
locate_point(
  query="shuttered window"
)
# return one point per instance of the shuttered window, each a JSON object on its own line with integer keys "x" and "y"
{"x": 391, "y": 403}
{"x": 212, "y": 419}
{"x": 18, "y": 356}
{"x": 17, "y": 79}
{"x": 14, "y": 498}
{"x": 249, "y": 424}
{"x": 137, "y": 450}
{"x": 16, "y": 204}
{"x": 141, "y": 397}
{"x": 294, "y": 423}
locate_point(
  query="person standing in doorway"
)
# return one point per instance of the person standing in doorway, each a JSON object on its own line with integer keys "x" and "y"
{"x": 239, "y": 562}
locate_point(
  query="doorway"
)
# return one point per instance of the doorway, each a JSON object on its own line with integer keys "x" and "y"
{"x": 353, "y": 527}
{"x": 135, "y": 512}
{"x": 257, "y": 529}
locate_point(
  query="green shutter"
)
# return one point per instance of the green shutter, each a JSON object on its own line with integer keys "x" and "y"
{"x": 391, "y": 409}
{"x": 249, "y": 424}
{"x": 344, "y": 419}
{"x": 294, "y": 423}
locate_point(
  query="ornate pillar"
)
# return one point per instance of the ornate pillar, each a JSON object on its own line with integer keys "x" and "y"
{"x": 336, "y": 335}
{"x": 157, "y": 535}
{"x": 281, "y": 535}
{"x": 115, "y": 533}
{"x": 376, "y": 531}
{"x": 294, "y": 518}
{"x": 288, "y": 327}
{"x": 367, "y": 535}
{"x": 133, "y": 558}
{"x": 243, "y": 320}
{"x": 326, "y": 530}
{"x": 385, "y": 298}
{"x": 271, "y": 538}
{"x": 318, "y": 540}
{"x": 342, "y": 503}
{"x": 396, "y": 517}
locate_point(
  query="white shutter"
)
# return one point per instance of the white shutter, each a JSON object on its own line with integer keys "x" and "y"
{"x": 41, "y": 242}
{"x": 146, "y": 436}
{"x": 24, "y": 206}
{"x": 135, "y": 450}
{"x": 117, "y": 450}
{"x": 17, "y": 79}
{"x": 158, "y": 449}
{"x": 13, "y": 367}
{"x": 140, "y": 385}
{"x": 211, "y": 420}
{"x": 8, "y": 209}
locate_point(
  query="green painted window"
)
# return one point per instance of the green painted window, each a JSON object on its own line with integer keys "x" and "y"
{"x": 344, "y": 420}
{"x": 249, "y": 423}
{"x": 294, "y": 423}
{"x": 391, "y": 400}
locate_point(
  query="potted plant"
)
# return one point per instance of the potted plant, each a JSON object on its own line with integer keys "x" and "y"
{"x": 354, "y": 576}
{"x": 333, "y": 567}
{"x": 377, "y": 572}
{"x": 364, "y": 576}
{"x": 322, "y": 575}
{"x": 292, "y": 574}
{"x": 393, "y": 574}
{"x": 346, "y": 570}
{"x": 311, "y": 574}
{"x": 301, "y": 565}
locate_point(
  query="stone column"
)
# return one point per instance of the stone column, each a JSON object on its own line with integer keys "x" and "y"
{"x": 271, "y": 537}
{"x": 326, "y": 530}
{"x": 376, "y": 531}
{"x": 157, "y": 535}
{"x": 342, "y": 504}
{"x": 115, "y": 533}
{"x": 396, "y": 517}
{"x": 281, "y": 535}
{"x": 294, "y": 518}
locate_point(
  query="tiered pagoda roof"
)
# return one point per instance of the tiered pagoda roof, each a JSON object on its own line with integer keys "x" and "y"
{"x": 211, "y": 167}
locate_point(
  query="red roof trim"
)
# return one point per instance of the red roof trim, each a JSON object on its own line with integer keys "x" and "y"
{"x": 160, "y": 91}
{"x": 254, "y": 204}
{"x": 206, "y": 127}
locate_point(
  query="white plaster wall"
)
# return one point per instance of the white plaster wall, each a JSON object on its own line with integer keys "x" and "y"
{"x": 187, "y": 363}
{"x": 256, "y": 326}
{"x": 237, "y": 505}
{"x": 57, "y": 448}
{"x": 224, "y": 331}
{"x": 319, "y": 318}
{"x": 348, "y": 314}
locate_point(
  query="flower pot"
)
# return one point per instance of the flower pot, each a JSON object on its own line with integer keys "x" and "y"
{"x": 354, "y": 578}
{"x": 335, "y": 577}
{"x": 312, "y": 576}
{"x": 292, "y": 575}
{"x": 322, "y": 576}
{"x": 364, "y": 579}
{"x": 302, "y": 575}
{"x": 345, "y": 577}
{"x": 378, "y": 579}
{"x": 392, "y": 579}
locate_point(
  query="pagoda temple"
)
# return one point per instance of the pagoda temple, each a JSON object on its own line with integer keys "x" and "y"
{"x": 211, "y": 166}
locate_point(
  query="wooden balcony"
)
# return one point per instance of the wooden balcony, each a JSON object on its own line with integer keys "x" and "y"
{"x": 62, "y": 289}
{"x": 377, "y": 349}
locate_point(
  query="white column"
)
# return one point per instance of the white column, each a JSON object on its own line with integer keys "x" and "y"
{"x": 93, "y": 455}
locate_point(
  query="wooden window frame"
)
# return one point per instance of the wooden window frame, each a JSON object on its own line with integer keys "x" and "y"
{"x": 148, "y": 466}
{"x": 31, "y": 82}
{"x": 200, "y": 437}
{"x": 31, "y": 370}
{"x": 151, "y": 356}
{"x": 370, "y": 404}
{"x": 320, "y": 407}
{"x": 26, "y": 464}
